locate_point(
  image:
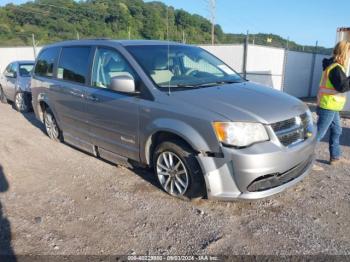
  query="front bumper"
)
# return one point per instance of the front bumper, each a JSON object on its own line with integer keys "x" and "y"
{"x": 259, "y": 171}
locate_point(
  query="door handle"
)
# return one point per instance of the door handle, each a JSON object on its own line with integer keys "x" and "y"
{"x": 73, "y": 93}
{"x": 92, "y": 98}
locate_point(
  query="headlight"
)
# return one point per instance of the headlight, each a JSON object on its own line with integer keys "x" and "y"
{"x": 310, "y": 123}
{"x": 240, "y": 134}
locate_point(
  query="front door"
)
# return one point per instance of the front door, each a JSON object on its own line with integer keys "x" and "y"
{"x": 10, "y": 81}
{"x": 113, "y": 117}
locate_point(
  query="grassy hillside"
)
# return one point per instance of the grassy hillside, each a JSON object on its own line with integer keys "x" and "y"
{"x": 57, "y": 20}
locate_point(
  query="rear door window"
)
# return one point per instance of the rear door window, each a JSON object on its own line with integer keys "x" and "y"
{"x": 46, "y": 61}
{"x": 74, "y": 64}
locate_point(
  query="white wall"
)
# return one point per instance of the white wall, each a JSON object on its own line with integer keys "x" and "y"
{"x": 297, "y": 73}
{"x": 230, "y": 54}
{"x": 10, "y": 54}
{"x": 265, "y": 65}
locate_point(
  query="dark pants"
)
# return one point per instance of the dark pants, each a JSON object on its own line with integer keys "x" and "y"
{"x": 328, "y": 119}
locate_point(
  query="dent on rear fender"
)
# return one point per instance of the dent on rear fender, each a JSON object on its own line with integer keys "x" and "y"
{"x": 176, "y": 127}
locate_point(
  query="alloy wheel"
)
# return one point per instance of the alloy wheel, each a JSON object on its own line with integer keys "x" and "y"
{"x": 2, "y": 95}
{"x": 172, "y": 173}
{"x": 20, "y": 102}
{"x": 51, "y": 126}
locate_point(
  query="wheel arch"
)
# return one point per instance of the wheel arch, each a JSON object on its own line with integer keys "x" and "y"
{"x": 42, "y": 105}
{"x": 167, "y": 129}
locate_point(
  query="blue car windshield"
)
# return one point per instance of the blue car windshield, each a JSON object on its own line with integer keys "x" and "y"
{"x": 25, "y": 69}
{"x": 180, "y": 66}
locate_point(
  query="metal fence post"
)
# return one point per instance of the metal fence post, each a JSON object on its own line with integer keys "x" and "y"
{"x": 284, "y": 68}
{"x": 312, "y": 73}
{"x": 245, "y": 55}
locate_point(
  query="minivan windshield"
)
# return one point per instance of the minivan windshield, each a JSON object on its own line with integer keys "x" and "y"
{"x": 179, "y": 66}
{"x": 25, "y": 69}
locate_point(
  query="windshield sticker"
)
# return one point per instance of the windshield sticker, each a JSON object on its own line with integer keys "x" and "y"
{"x": 226, "y": 69}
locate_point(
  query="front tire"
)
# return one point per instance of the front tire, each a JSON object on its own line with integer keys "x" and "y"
{"x": 3, "y": 98}
{"x": 51, "y": 126}
{"x": 22, "y": 102}
{"x": 178, "y": 171}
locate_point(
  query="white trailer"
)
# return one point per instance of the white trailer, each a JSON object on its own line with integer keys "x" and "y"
{"x": 343, "y": 33}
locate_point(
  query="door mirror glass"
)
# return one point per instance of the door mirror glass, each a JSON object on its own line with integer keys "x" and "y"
{"x": 11, "y": 74}
{"x": 124, "y": 84}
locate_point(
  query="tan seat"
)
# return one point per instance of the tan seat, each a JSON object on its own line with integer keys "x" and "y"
{"x": 161, "y": 73}
{"x": 115, "y": 68}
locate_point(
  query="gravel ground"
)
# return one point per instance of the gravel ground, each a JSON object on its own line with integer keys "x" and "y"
{"x": 57, "y": 200}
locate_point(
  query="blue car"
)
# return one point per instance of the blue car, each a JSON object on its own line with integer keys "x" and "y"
{"x": 15, "y": 85}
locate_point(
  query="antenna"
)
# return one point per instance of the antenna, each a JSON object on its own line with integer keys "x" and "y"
{"x": 167, "y": 37}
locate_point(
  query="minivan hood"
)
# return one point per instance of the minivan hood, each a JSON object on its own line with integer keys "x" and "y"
{"x": 244, "y": 102}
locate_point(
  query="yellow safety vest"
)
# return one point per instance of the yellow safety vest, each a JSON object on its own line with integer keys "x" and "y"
{"x": 328, "y": 97}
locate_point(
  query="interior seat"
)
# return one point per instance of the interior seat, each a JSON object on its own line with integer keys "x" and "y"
{"x": 161, "y": 73}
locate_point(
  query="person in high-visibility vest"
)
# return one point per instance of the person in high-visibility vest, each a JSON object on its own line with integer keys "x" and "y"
{"x": 331, "y": 98}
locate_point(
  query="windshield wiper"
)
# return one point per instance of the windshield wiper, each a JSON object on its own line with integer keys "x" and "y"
{"x": 200, "y": 85}
{"x": 213, "y": 83}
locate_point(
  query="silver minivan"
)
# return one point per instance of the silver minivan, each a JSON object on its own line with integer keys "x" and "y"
{"x": 15, "y": 85}
{"x": 205, "y": 130}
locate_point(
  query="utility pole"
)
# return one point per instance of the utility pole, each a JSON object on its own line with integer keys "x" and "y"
{"x": 316, "y": 47}
{"x": 78, "y": 37}
{"x": 167, "y": 23}
{"x": 212, "y": 11}
{"x": 183, "y": 37}
{"x": 287, "y": 44}
{"x": 34, "y": 45}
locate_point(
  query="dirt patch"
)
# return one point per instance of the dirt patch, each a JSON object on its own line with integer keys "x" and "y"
{"x": 62, "y": 201}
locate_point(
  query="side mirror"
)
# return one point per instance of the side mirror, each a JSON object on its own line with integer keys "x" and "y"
{"x": 11, "y": 74}
{"x": 124, "y": 84}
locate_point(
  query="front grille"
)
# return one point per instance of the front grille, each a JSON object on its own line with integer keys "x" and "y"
{"x": 293, "y": 130}
{"x": 274, "y": 180}
{"x": 283, "y": 124}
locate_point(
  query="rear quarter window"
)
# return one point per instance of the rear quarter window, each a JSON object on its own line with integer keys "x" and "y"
{"x": 74, "y": 64}
{"x": 46, "y": 61}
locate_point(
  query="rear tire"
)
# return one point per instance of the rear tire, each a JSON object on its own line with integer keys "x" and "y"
{"x": 22, "y": 102}
{"x": 3, "y": 98}
{"x": 178, "y": 171}
{"x": 51, "y": 126}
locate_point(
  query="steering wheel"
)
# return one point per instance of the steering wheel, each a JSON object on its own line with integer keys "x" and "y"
{"x": 192, "y": 72}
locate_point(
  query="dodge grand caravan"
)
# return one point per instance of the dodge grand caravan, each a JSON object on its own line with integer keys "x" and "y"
{"x": 205, "y": 130}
